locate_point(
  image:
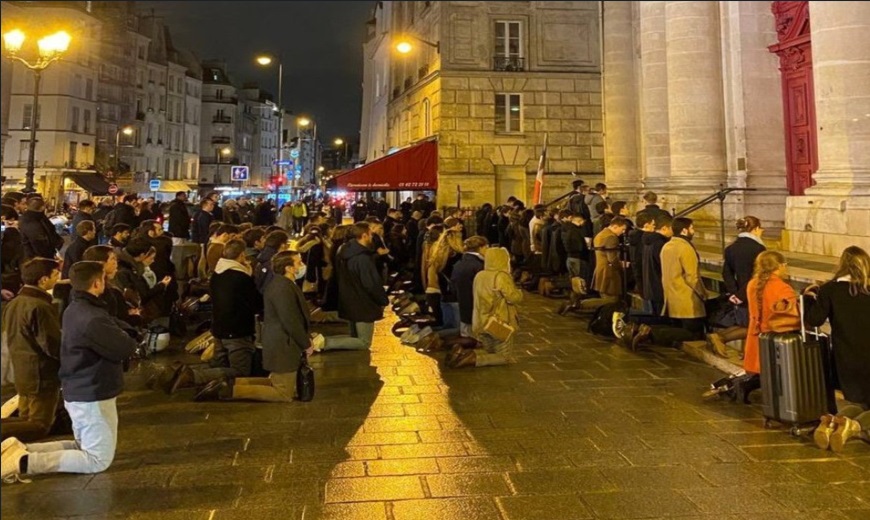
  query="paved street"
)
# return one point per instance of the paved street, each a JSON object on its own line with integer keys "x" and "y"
{"x": 578, "y": 428}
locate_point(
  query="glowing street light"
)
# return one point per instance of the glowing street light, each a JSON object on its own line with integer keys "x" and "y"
{"x": 128, "y": 131}
{"x": 303, "y": 122}
{"x": 338, "y": 141}
{"x": 404, "y": 45}
{"x": 226, "y": 151}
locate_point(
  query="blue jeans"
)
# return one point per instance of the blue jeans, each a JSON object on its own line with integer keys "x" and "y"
{"x": 232, "y": 358}
{"x": 95, "y": 427}
{"x": 360, "y": 338}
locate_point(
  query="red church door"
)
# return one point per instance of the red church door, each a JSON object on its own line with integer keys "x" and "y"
{"x": 799, "y": 110}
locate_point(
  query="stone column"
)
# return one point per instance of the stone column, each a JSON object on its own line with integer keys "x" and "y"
{"x": 841, "y": 72}
{"x": 620, "y": 95}
{"x": 695, "y": 101}
{"x": 655, "y": 140}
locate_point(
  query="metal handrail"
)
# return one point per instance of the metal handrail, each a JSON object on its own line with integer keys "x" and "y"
{"x": 720, "y": 196}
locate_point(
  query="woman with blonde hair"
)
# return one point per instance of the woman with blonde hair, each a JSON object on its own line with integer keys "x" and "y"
{"x": 442, "y": 256}
{"x": 845, "y": 301}
{"x": 773, "y": 305}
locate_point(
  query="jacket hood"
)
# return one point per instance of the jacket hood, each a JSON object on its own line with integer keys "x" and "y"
{"x": 125, "y": 260}
{"x": 497, "y": 259}
{"x": 354, "y": 248}
{"x": 654, "y": 238}
{"x": 266, "y": 254}
{"x": 225, "y": 264}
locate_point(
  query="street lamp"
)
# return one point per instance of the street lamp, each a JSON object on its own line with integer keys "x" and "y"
{"x": 51, "y": 49}
{"x": 225, "y": 152}
{"x": 341, "y": 142}
{"x": 128, "y": 131}
{"x": 265, "y": 60}
{"x": 305, "y": 122}
{"x": 404, "y": 45}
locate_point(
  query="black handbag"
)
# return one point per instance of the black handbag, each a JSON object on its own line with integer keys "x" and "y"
{"x": 304, "y": 381}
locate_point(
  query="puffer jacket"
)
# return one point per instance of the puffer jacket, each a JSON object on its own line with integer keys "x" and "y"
{"x": 495, "y": 293}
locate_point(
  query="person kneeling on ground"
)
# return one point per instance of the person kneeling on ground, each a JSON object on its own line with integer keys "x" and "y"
{"x": 285, "y": 338}
{"x": 93, "y": 348}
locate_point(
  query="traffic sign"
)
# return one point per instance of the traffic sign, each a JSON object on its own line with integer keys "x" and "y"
{"x": 285, "y": 162}
{"x": 154, "y": 184}
{"x": 239, "y": 173}
{"x": 294, "y": 153}
{"x": 113, "y": 189}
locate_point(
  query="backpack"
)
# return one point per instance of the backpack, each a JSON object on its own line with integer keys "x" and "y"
{"x": 601, "y": 323}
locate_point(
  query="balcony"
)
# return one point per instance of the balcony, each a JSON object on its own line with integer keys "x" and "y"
{"x": 508, "y": 64}
{"x": 220, "y": 139}
{"x": 222, "y": 119}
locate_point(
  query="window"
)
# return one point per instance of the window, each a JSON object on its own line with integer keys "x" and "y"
{"x": 219, "y": 94}
{"x": 508, "y": 113}
{"x": 77, "y": 85}
{"x": 508, "y": 40}
{"x": 87, "y": 127}
{"x": 74, "y": 126}
{"x": 89, "y": 89}
{"x": 73, "y": 151}
{"x": 27, "y": 117}
{"x": 179, "y": 87}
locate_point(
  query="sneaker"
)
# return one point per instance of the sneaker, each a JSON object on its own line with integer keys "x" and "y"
{"x": 11, "y": 464}
{"x": 618, "y": 324}
{"x": 643, "y": 335}
{"x": 822, "y": 434}
{"x": 10, "y": 443}
{"x": 845, "y": 429}
{"x": 317, "y": 342}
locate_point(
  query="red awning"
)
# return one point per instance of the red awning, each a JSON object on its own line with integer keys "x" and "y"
{"x": 414, "y": 168}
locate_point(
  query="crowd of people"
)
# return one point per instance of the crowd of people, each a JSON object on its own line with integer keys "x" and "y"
{"x": 461, "y": 275}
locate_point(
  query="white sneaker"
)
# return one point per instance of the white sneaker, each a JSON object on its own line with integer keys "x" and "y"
{"x": 317, "y": 342}
{"x": 11, "y": 460}
{"x": 10, "y": 443}
{"x": 618, "y": 324}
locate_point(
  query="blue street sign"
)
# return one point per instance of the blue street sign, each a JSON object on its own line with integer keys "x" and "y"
{"x": 285, "y": 162}
{"x": 294, "y": 153}
{"x": 239, "y": 173}
{"x": 154, "y": 184}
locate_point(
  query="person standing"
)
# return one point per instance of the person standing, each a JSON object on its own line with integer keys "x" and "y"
{"x": 85, "y": 212}
{"x": 361, "y": 295}
{"x": 462, "y": 279}
{"x": 179, "y": 219}
{"x": 93, "y": 348}
{"x": 33, "y": 327}
{"x": 652, "y": 209}
{"x": 38, "y": 235}
{"x": 202, "y": 220}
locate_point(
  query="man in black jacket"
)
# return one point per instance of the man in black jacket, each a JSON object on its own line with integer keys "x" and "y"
{"x": 652, "y": 209}
{"x": 361, "y": 295}
{"x": 124, "y": 212}
{"x": 93, "y": 348}
{"x": 179, "y": 219}
{"x": 85, "y": 212}
{"x": 645, "y": 225}
{"x": 87, "y": 232}
{"x": 653, "y": 292}
{"x": 236, "y": 304}
{"x": 38, "y": 235}
{"x": 33, "y": 327}
{"x": 202, "y": 219}
{"x": 462, "y": 279}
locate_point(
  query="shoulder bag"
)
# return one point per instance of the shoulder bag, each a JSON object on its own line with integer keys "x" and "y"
{"x": 495, "y": 326}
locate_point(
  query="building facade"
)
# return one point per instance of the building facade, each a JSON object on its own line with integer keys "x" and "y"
{"x": 219, "y": 114}
{"x": 770, "y": 96}
{"x": 377, "y": 54}
{"x": 495, "y": 82}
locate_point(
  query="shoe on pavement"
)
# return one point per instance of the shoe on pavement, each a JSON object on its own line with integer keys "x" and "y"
{"x": 468, "y": 358}
{"x": 317, "y": 342}
{"x": 618, "y": 324}
{"x": 409, "y": 333}
{"x": 628, "y": 334}
{"x": 643, "y": 333}
{"x": 715, "y": 341}
{"x": 9, "y": 444}
{"x": 10, "y": 472}
{"x": 845, "y": 429}
{"x": 822, "y": 434}
{"x": 216, "y": 390}
{"x": 182, "y": 378}
{"x": 453, "y": 355}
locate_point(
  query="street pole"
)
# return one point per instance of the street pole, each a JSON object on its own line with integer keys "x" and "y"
{"x": 117, "y": 153}
{"x": 280, "y": 125}
{"x": 31, "y": 152}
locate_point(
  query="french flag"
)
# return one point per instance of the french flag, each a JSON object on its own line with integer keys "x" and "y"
{"x": 538, "y": 197}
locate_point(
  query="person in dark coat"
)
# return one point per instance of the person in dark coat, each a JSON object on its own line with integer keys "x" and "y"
{"x": 361, "y": 295}
{"x": 360, "y": 210}
{"x": 645, "y": 225}
{"x": 285, "y": 339}
{"x": 85, "y": 212}
{"x": 652, "y": 209}
{"x": 397, "y": 243}
{"x": 135, "y": 274}
{"x": 152, "y": 232}
{"x": 217, "y": 211}
{"x": 202, "y": 219}
{"x": 462, "y": 280}
{"x": 275, "y": 242}
{"x": 737, "y": 271}
{"x": 381, "y": 209}
{"x": 93, "y": 348}
{"x": 32, "y": 323}
{"x": 265, "y": 214}
{"x": 87, "y": 232}
{"x": 179, "y": 218}
{"x": 38, "y": 235}
{"x": 124, "y": 212}
{"x": 653, "y": 291}
{"x": 845, "y": 302}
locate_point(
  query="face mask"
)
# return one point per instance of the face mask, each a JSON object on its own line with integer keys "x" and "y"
{"x": 300, "y": 274}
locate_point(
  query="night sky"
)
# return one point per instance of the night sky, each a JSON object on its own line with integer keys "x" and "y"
{"x": 320, "y": 44}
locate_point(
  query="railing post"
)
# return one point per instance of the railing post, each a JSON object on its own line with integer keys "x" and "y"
{"x": 722, "y": 220}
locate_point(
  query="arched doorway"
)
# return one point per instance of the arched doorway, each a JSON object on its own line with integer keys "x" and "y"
{"x": 794, "y": 49}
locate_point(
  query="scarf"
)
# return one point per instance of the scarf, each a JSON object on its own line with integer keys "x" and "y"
{"x": 751, "y": 236}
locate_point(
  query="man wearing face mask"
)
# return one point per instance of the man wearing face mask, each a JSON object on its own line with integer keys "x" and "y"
{"x": 285, "y": 337}
{"x": 236, "y": 304}
{"x": 361, "y": 295}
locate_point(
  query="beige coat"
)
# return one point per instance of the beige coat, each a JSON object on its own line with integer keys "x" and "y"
{"x": 492, "y": 286}
{"x": 607, "y": 278}
{"x": 681, "y": 280}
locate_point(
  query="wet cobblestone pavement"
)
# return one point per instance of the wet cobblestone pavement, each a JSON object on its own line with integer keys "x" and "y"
{"x": 578, "y": 428}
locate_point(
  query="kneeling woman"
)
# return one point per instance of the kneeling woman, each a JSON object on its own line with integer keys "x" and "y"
{"x": 495, "y": 296}
{"x": 285, "y": 338}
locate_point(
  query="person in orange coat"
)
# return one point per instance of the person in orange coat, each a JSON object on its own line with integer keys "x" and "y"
{"x": 768, "y": 292}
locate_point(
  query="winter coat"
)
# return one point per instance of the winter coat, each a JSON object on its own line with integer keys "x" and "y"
{"x": 179, "y": 219}
{"x": 264, "y": 272}
{"x": 574, "y": 241}
{"x": 521, "y": 245}
{"x": 32, "y": 325}
{"x": 608, "y": 276}
{"x": 361, "y": 295}
{"x": 462, "y": 280}
{"x": 848, "y": 315}
{"x": 681, "y": 280}
{"x": 655, "y": 212}
{"x": 285, "y": 218}
{"x": 124, "y": 214}
{"x": 652, "y": 266}
{"x": 634, "y": 239}
{"x": 130, "y": 276}
{"x": 79, "y": 217}
{"x": 94, "y": 346}
{"x": 38, "y": 235}
{"x": 199, "y": 228}
{"x": 74, "y": 253}
{"x": 775, "y": 291}
{"x": 495, "y": 293}
{"x": 285, "y": 326}
{"x": 236, "y": 300}
{"x": 739, "y": 265}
